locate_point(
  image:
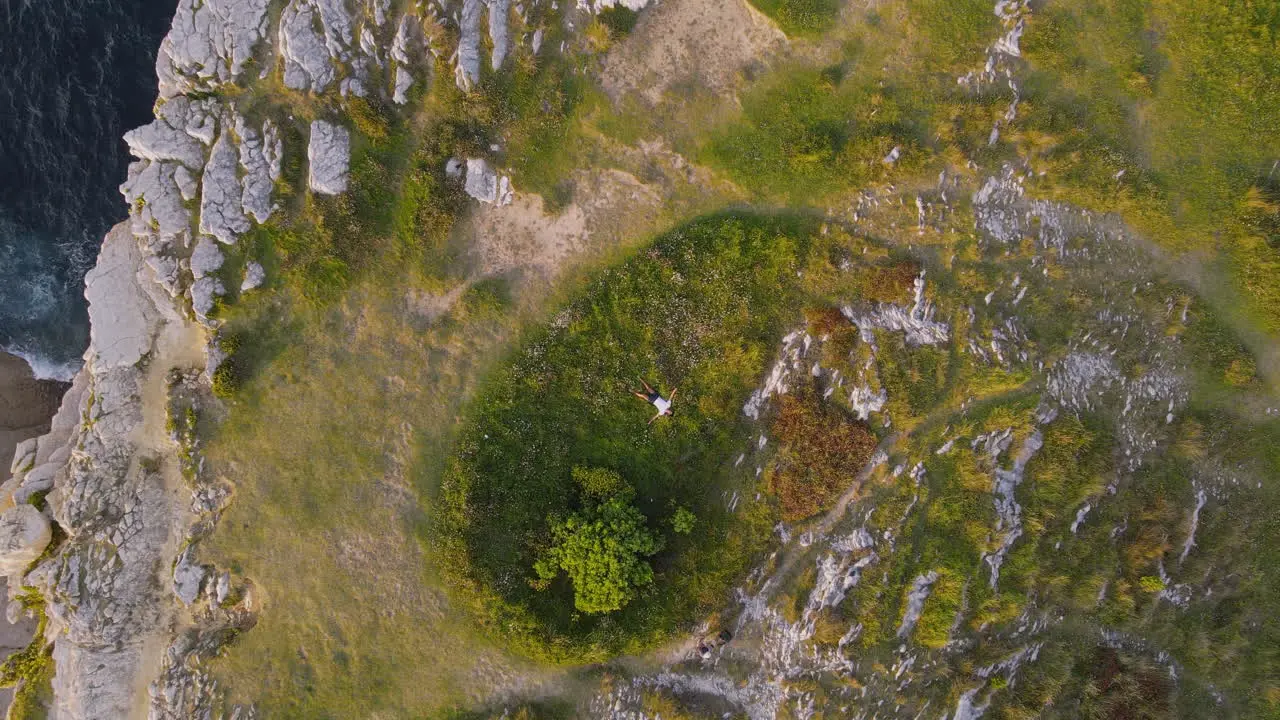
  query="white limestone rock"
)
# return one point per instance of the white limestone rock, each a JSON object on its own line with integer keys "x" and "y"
{"x": 499, "y": 32}
{"x": 209, "y": 43}
{"x": 369, "y": 45}
{"x": 186, "y": 182}
{"x": 23, "y": 455}
{"x": 155, "y": 202}
{"x": 166, "y": 137}
{"x": 203, "y": 292}
{"x": 335, "y": 21}
{"x": 328, "y": 155}
{"x": 38, "y": 480}
{"x": 302, "y": 49}
{"x": 260, "y": 159}
{"x": 379, "y": 9}
{"x": 206, "y": 258}
{"x": 221, "y": 209}
{"x": 24, "y": 533}
{"x": 405, "y": 39}
{"x": 864, "y": 401}
{"x": 188, "y": 578}
{"x": 254, "y": 276}
{"x": 122, "y": 319}
{"x": 167, "y": 273}
{"x": 222, "y": 589}
{"x": 487, "y": 186}
{"x": 467, "y": 69}
{"x": 404, "y": 81}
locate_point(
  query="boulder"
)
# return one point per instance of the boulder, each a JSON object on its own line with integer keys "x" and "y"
{"x": 203, "y": 291}
{"x": 206, "y": 258}
{"x": 467, "y": 70}
{"x": 221, "y": 209}
{"x": 499, "y": 33}
{"x": 188, "y": 578}
{"x": 487, "y": 186}
{"x": 328, "y": 154}
{"x": 155, "y": 202}
{"x": 302, "y": 49}
{"x": 254, "y": 276}
{"x": 122, "y": 319}
{"x": 24, "y": 534}
{"x": 404, "y": 81}
{"x": 260, "y": 157}
{"x": 166, "y": 137}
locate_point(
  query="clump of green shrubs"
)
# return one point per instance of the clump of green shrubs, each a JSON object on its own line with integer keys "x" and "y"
{"x": 603, "y": 547}
{"x": 228, "y": 377}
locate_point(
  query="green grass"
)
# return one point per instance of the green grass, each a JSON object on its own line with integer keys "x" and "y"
{"x": 805, "y": 18}
{"x": 807, "y": 134}
{"x": 1180, "y": 97}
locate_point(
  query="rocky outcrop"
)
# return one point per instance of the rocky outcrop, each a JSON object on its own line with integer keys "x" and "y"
{"x": 118, "y": 512}
{"x": 328, "y": 154}
{"x": 209, "y": 43}
{"x": 302, "y": 49}
{"x": 24, "y": 534}
{"x": 487, "y": 186}
{"x": 221, "y": 212}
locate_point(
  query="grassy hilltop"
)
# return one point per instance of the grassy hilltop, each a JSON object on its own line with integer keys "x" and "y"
{"x": 408, "y": 398}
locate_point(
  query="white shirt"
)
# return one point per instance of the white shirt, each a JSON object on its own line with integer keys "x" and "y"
{"x": 662, "y": 404}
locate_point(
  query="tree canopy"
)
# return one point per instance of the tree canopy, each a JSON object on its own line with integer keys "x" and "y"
{"x": 602, "y": 549}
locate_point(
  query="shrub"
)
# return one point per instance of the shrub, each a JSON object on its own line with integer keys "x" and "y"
{"x": 602, "y": 550}
{"x": 822, "y": 450}
{"x": 683, "y": 520}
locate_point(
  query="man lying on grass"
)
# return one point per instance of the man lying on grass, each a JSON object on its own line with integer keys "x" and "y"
{"x": 653, "y": 396}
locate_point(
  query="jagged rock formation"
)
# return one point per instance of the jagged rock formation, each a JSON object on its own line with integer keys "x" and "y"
{"x": 209, "y": 43}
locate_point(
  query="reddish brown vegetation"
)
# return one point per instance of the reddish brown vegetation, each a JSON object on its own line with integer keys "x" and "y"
{"x": 890, "y": 283}
{"x": 821, "y": 450}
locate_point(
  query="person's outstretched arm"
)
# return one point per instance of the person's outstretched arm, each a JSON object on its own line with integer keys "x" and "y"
{"x": 673, "y": 393}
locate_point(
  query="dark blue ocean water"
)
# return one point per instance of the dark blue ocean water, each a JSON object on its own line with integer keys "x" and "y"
{"x": 74, "y": 76}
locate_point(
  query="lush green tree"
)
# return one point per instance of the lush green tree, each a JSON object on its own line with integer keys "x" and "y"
{"x": 602, "y": 549}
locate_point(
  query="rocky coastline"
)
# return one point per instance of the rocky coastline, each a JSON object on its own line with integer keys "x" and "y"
{"x": 104, "y": 512}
